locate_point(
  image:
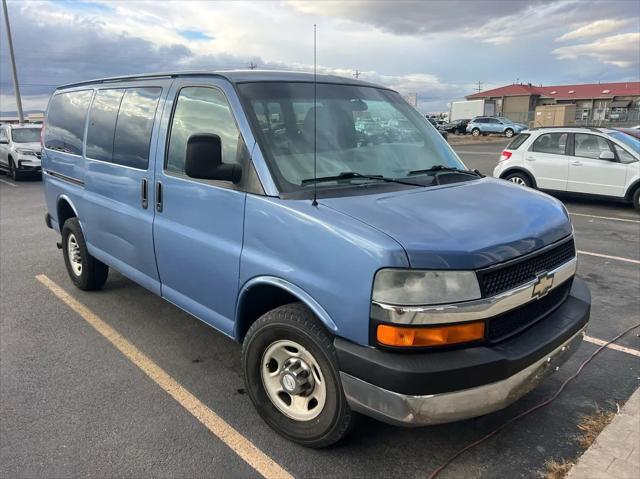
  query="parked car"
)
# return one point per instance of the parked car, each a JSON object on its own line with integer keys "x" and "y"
{"x": 492, "y": 124}
{"x": 591, "y": 161}
{"x": 385, "y": 279}
{"x": 458, "y": 127}
{"x": 439, "y": 126}
{"x": 20, "y": 150}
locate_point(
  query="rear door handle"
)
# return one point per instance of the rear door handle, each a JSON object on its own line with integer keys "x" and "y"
{"x": 144, "y": 193}
{"x": 159, "y": 197}
{"x": 576, "y": 163}
{"x": 530, "y": 158}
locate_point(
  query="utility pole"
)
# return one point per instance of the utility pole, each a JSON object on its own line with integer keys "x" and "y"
{"x": 479, "y": 89}
{"x": 252, "y": 66}
{"x": 357, "y": 74}
{"x": 16, "y": 88}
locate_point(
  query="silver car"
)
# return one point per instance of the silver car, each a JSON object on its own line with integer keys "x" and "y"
{"x": 20, "y": 150}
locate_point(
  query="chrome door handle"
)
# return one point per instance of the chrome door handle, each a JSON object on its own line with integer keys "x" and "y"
{"x": 530, "y": 158}
{"x": 144, "y": 193}
{"x": 576, "y": 163}
{"x": 159, "y": 197}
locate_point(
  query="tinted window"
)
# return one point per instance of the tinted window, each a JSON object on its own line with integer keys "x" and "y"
{"x": 480, "y": 120}
{"x": 590, "y": 146}
{"x": 492, "y": 120}
{"x": 205, "y": 110}
{"x": 553, "y": 143}
{"x": 517, "y": 141}
{"x": 102, "y": 124}
{"x": 65, "y": 121}
{"x": 133, "y": 127}
{"x": 623, "y": 155}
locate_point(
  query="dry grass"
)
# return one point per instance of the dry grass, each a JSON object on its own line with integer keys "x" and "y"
{"x": 590, "y": 426}
{"x": 557, "y": 470}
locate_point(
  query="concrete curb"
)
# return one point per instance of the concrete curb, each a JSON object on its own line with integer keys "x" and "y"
{"x": 615, "y": 454}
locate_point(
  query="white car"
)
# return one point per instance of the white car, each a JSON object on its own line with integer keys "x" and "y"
{"x": 20, "y": 150}
{"x": 590, "y": 161}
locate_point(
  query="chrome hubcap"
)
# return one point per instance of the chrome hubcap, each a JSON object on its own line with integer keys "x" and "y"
{"x": 517, "y": 180}
{"x": 73, "y": 252}
{"x": 293, "y": 381}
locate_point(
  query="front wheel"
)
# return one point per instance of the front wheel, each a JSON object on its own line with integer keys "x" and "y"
{"x": 475, "y": 132}
{"x": 636, "y": 199}
{"x": 13, "y": 171}
{"x": 291, "y": 373}
{"x": 86, "y": 272}
{"x": 508, "y": 133}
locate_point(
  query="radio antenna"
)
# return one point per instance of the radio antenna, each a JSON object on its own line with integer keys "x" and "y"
{"x": 315, "y": 117}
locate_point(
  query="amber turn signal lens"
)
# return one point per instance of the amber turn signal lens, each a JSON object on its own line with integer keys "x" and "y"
{"x": 430, "y": 336}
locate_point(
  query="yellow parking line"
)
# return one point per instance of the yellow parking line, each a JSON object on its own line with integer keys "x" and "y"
{"x": 253, "y": 456}
{"x": 623, "y": 349}
{"x": 605, "y": 217}
{"x": 617, "y": 258}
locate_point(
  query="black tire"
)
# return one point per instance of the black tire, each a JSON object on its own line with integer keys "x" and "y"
{"x": 295, "y": 322}
{"x": 13, "y": 172}
{"x": 94, "y": 273}
{"x": 519, "y": 178}
{"x": 475, "y": 132}
{"x": 508, "y": 133}
{"x": 635, "y": 198}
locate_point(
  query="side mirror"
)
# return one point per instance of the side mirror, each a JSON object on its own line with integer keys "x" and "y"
{"x": 607, "y": 155}
{"x": 204, "y": 160}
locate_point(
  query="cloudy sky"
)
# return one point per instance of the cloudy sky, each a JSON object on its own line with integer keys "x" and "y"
{"x": 438, "y": 49}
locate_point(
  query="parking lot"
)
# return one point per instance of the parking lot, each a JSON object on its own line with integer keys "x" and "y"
{"x": 72, "y": 404}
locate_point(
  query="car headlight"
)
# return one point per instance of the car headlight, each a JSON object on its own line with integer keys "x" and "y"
{"x": 25, "y": 152}
{"x": 415, "y": 287}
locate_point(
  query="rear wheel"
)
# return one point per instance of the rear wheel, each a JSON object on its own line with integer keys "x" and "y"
{"x": 475, "y": 132}
{"x": 86, "y": 272}
{"x": 508, "y": 133}
{"x": 636, "y": 198}
{"x": 291, "y": 373}
{"x": 519, "y": 178}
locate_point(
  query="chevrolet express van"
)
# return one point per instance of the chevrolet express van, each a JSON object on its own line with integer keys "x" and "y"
{"x": 364, "y": 270}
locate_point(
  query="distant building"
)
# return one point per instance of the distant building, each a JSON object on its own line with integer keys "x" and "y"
{"x": 594, "y": 102}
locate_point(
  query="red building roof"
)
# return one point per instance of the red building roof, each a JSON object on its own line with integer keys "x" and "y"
{"x": 564, "y": 92}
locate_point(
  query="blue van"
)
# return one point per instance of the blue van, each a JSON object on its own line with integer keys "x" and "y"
{"x": 364, "y": 270}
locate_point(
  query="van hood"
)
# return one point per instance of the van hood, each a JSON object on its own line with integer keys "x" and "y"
{"x": 465, "y": 225}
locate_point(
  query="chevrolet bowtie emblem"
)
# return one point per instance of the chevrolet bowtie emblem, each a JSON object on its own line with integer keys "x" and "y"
{"x": 543, "y": 284}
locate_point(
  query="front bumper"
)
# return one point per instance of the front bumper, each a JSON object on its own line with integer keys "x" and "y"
{"x": 29, "y": 166}
{"x": 444, "y": 386}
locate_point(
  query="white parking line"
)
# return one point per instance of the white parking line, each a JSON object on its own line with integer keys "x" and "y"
{"x": 600, "y": 342}
{"x": 8, "y": 183}
{"x": 605, "y": 217}
{"x": 606, "y": 256}
{"x": 239, "y": 444}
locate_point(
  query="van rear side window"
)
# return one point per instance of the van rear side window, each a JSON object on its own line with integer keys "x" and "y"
{"x": 65, "y": 121}
{"x": 133, "y": 127}
{"x": 102, "y": 124}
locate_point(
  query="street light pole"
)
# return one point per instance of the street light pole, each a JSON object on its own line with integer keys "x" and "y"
{"x": 16, "y": 88}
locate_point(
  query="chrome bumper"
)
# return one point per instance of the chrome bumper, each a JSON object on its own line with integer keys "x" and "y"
{"x": 406, "y": 410}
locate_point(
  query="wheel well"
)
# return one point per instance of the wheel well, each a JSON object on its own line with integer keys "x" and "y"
{"x": 256, "y": 301}
{"x": 632, "y": 189}
{"x": 519, "y": 170}
{"x": 65, "y": 211}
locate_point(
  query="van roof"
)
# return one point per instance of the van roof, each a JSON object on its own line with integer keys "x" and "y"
{"x": 234, "y": 76}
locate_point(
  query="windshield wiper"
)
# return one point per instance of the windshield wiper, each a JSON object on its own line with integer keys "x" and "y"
{"x": 349, "y": 175}
{"x": 437, "y": 168}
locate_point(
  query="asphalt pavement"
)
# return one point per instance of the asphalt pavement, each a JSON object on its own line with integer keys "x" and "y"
{"x": 71, "y": 404}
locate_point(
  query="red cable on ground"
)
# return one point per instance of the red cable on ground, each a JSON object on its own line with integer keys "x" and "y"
{"x": 530, "y": 410}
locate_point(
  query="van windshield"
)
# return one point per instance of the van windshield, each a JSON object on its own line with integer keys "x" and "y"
{"x": 362, "y": 132}
{"x": 25, "y": 135}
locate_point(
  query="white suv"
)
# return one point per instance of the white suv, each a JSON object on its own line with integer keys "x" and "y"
{"x": 20, "y": 149}
{"x": 591, "y": 161}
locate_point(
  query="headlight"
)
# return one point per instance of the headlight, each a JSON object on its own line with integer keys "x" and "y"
{"x": 413, "y": 287}
{"x": 22, "y": 151}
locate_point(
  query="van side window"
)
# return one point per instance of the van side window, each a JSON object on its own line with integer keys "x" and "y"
{"x": 65, "y": 121}
{"x": 553, "y": 143}
{"x": 201, "y": 110}
{"x": 134, "y": 125}
{"x": 102, "y": 124}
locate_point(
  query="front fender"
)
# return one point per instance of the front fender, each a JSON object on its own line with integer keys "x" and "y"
{"x": 290, "y": 288}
